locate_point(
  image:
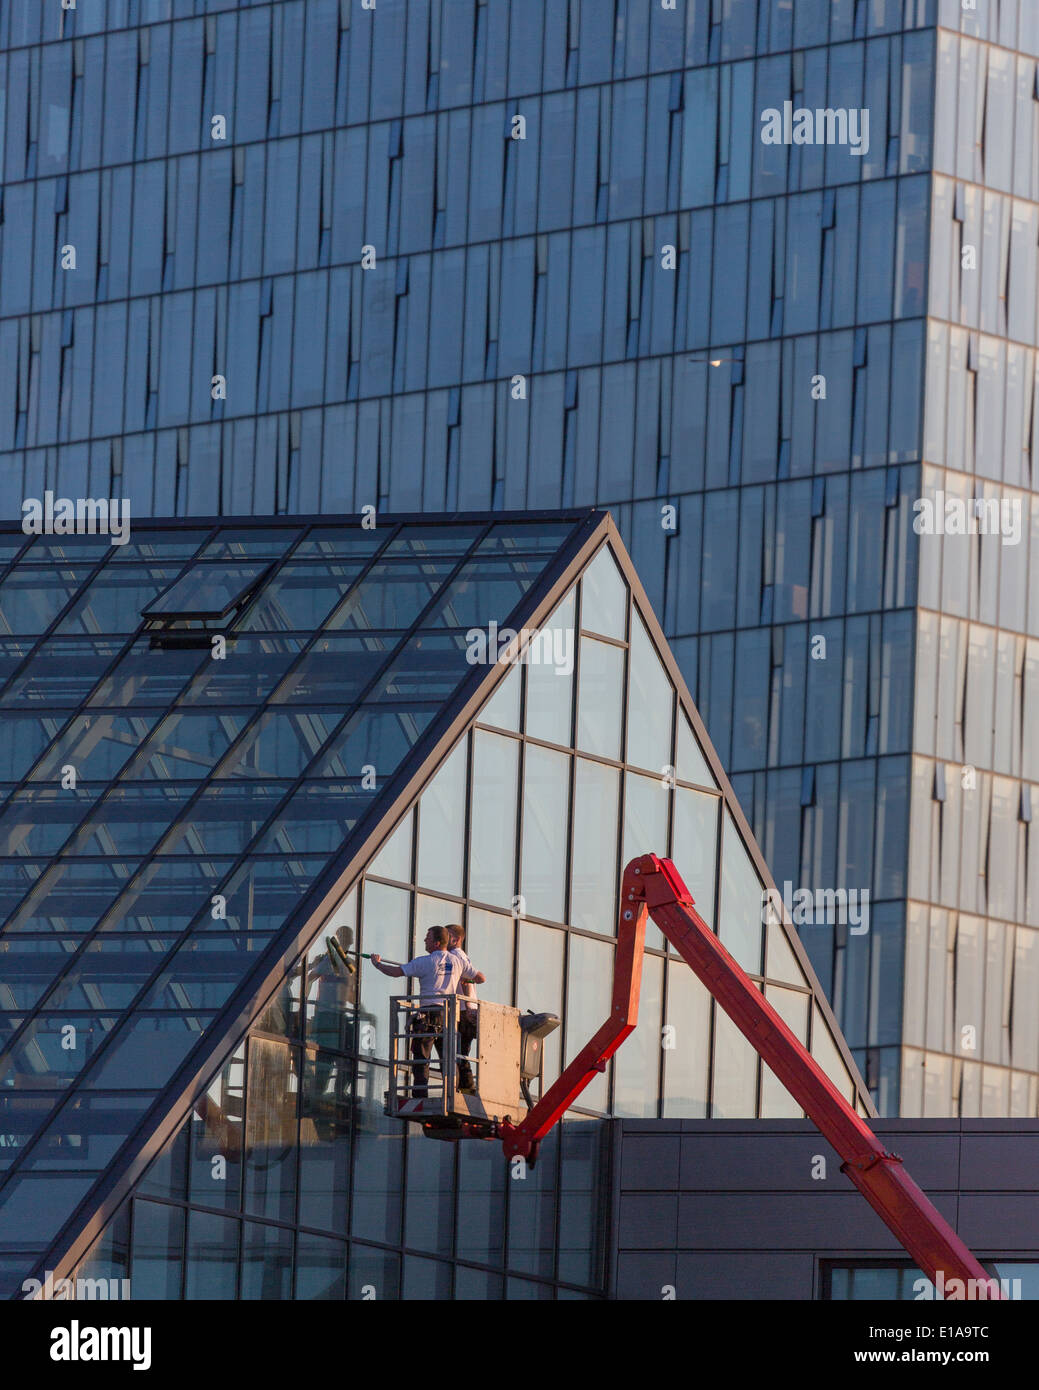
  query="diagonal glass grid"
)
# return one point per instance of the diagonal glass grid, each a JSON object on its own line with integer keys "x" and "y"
{"x": 220, "y": 818}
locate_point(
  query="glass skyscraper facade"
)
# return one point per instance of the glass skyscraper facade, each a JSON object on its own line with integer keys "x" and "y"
{"x": 190, "y": 1098}
{"x": 306, "y": 256}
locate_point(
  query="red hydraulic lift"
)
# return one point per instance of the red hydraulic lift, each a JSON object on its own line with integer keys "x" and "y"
{"x": 652, "y": 886}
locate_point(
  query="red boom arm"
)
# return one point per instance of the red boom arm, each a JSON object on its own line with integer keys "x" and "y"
{"x": 653, "y": 885}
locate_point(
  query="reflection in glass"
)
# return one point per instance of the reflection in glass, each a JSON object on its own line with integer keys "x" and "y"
{"x": 378, "y": 1169}
{"x": 373, "y": 1273}
{"x": 320, "y": 1268}
{"x": 430, "y": 1195}
{"x": 384, "y": 929}
{"x": 532, "y": 1212}
{"x": 217, "y": 1138}
{"x": 266, "y": 1262}
{"x": 212, "y": 1262}
{"x": 270, "y": 1129}
{"x": 426, "y": 1280}
{"x": 325, "y": 1132}
{"x": 158, "y": 1250}
{"x": 580, "y": 1201}
{"x": 481, "y": 1208}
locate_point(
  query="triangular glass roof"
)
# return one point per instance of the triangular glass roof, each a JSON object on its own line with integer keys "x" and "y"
{"x": 170, "y": 812}
{"x": 180, "y": 818}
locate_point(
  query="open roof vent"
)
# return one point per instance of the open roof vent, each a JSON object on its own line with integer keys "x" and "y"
{"x": 207, "y": 596}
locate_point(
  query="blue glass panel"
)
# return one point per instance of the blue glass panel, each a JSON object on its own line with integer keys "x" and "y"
{"x": 62, "y": 672}
{"x": 337, "y": 668}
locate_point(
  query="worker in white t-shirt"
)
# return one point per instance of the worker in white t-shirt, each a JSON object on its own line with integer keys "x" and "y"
{"x": 438, "y": 974}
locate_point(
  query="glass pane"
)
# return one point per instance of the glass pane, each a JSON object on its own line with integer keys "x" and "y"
{"x": 320, "y": 1268}
{"x": 690, "y": 764}
{"x": 267, "y": 543}
{"x": 378, "y": 1170}
{"x": 270, "y": 1129}
{"x": 695, "y": 846}
{"x": 490, "y": 945}
{"x": 636, "y": 1065}
{"x": 550, "y": 677}
{"x": 600, "y": 698}
{"x": 336, "y": 668}
{"x": 589, "y": 988}
{"x": 216, "y": 1138}
{"x": 735, "y": 1072}
{"x": 604, "y": 597}
{"x": 781, "y": 963}
{"x": 776, "y": 1101}
{"x": 430, "y": 1195}
{"x": 299, "y": 597}
{"x": 394, "y": 859}
{"x": 546, "y": 796}
{"x": 384, "y": 929}
{"x": 266, "y": 1262}
{"x": 391, "y": 595}
{"x": 206, "y": 591}
{"x": 539, "y": 985}
{"x": 441, "y": 825}
{"x": 740, "y": 917}
{"x": 502, "y": 709}
{"x": 492, "y": 845}
{"x": 651, "y": 701}
{"x": 212, "y": 1263}
{"x": 325, "y": 1148}
{"x": 157, "y": 1262}
{"x": 686, "y": 1044}
{"x": 593, "y": 896}
{"x": 645, "y": 830}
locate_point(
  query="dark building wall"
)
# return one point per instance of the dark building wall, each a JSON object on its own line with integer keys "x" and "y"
{"x": 729, "y": 1209}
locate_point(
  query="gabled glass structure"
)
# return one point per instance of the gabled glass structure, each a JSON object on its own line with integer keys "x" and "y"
{"x": 191, "y": 1078}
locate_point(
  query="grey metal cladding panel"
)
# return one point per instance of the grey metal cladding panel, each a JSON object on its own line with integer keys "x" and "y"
{"x": 649, "y": 1163}
{"x": 1000, "y": 1222}
{"x": 743, "y": 1162}
{"x": 648, "y": 1222}
{"x": 999, "y": 1162}
{"x": 827, "y": 1221}
{"x": 777, "y": 1274}
{"x": 644, "y": 1274}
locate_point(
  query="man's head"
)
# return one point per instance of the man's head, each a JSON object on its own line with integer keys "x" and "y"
{"x": 456, "y": 934}
{"x": 437, "y": 939}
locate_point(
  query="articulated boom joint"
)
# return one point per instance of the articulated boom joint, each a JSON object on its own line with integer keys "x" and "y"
{"x": 864, "y": 1162}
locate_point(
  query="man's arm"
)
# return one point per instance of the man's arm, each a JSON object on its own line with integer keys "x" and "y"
{"x": 474, "y": 977}
{"x": 393, "y": 970}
